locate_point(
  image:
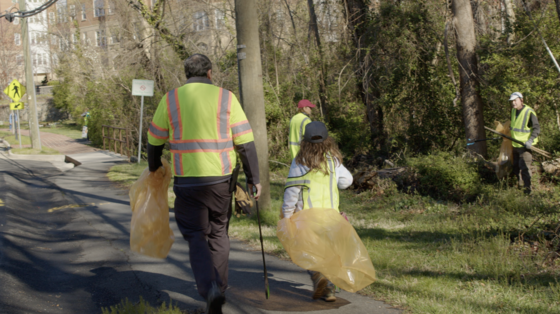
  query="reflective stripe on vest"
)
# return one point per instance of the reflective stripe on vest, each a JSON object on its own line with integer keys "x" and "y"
{"x": 158, "y": 132}
{"x": 240, "y": 128}
{"x": 223, "y": 145}
{"x": 314, "y": 184}
{"x": 519, "y": 126}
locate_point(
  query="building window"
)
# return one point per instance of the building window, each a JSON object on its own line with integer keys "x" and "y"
{"x": 74, "y": 39}
{"x": 114, "y": 38}
{"x": 51, "y": 18}
{"x": 100, "y": 38}
{"x": 84, "y": 16}
{"x": 98, "y": 8}
{"x": 19, "y": 59}
{"x": 34, "y": 60}
{"x": 72, "y": 11}
{"x": 17, "y": 39}
{"x": 84, "y": 39}
{"x": 62, "y": 17}
{"x": 201, "y": 21}
{"x": 220, "y": 18}
{"x": 111, "y": 7}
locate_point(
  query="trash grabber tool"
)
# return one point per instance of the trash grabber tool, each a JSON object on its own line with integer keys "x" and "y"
{"x": 536, "y": 150}
{"x": 266, "y": 287}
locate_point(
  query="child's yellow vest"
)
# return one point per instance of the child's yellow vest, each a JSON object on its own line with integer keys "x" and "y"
{"x": 319, "y": 190}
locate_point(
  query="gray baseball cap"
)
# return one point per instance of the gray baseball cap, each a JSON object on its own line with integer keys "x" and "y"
{"x": 515, "y": 95}
{"x": 315, "y": 132}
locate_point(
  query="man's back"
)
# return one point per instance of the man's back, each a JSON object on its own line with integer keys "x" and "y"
{"x": 297, "y": 127}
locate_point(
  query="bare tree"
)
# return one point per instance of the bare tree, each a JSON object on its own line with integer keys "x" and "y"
{"x": 468, "y": 73}
{"x": 357, "y": 20}
{"x": 314, "y": 28}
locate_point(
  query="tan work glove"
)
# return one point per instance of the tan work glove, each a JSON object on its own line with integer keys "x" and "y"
{"x": 243, "y": 202}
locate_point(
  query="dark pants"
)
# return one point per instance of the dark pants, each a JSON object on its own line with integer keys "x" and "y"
{"x": 522, "y": 159}
{"x": 202, "y": 214}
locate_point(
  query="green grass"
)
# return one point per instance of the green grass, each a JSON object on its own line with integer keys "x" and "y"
{"x": 25, "y": 140}
{"x": 436, "y": 256}
{"x": 30, "y": 151}
{"x": 72, "y": 131}
{"x": 142, "y": 307}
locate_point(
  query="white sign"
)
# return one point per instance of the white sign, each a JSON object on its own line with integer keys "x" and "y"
{"x": 143, "y": 88}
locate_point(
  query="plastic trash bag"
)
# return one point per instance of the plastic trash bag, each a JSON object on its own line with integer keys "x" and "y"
{"x": 150, "y": 233}
{"x": 505, "y": 159}
{"x": 322, "y": 240}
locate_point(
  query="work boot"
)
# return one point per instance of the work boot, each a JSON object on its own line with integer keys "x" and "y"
{"x": 215, "y": 300}
{"x": 329, "y": 295}
{"x": 319, "y": 284}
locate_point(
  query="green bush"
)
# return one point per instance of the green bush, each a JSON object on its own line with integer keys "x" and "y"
{"x": 446, "y": 177}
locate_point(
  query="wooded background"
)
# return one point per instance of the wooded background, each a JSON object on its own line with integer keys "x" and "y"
{"x": 391, "y": 78}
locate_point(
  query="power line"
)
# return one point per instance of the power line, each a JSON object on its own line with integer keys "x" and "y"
{"x": 10, "y": 16}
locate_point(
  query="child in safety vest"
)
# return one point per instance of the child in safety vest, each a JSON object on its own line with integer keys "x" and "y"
{"x": 315, "y": 176}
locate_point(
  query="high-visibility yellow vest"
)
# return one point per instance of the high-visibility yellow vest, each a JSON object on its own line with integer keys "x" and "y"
{"x": 202, "y": 122}
{"x": 297, "y": 129}
{"x": 319, "y": 190}
{"x": 519, "y": 126}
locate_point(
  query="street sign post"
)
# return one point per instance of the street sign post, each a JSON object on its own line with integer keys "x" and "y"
{"x": 16, "y": 91}
{"x": 142, "y": 88}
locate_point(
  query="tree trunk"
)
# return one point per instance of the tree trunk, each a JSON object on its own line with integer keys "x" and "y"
{"x": 314, "y": 27}
{"x": 557, "y": 7}
{"x": 510, "y": 14}
{"x": 468, "y": 72}
{"x": 252, "y": 93}
{"x": 357, "y": 21}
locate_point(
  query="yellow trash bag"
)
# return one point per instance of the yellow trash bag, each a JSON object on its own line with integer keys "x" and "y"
{"x": 150, "y": 233}
{"x": 320, "y": 239}
{"x": 505, "y": 159}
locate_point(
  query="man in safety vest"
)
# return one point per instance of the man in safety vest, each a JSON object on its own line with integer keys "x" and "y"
{"x": 525, "y": 128}
{"x": 297, "y": 125}
{"x": 203, "y": 124}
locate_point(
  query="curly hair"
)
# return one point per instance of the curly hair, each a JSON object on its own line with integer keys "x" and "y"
{"x": 313, "y": 155}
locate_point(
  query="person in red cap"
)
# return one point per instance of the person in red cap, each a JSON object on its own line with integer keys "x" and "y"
{"x": 297, "y": 125}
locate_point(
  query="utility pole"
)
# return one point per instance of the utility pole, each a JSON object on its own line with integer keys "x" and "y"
{"x": 29, "y": 82}
{"x": 252, "y": 94}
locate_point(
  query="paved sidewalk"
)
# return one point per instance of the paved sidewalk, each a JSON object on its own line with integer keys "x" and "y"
{"x": 61, "y": 143}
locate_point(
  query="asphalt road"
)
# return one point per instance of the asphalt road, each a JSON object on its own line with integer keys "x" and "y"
{"x": 64, "y": 248}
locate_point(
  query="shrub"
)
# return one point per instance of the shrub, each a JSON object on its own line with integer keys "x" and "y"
{"x": 446, "y": 177}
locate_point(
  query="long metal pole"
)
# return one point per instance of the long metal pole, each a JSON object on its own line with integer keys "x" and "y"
{"x": 31, "y": 104}
{"x": 19, "y": 129}
{"x": 140, "y": 132}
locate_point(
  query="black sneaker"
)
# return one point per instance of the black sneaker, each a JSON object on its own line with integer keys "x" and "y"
{"x": 215, "y": 300}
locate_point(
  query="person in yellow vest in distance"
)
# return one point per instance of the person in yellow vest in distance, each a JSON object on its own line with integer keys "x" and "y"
{"x": 204, "y": 125}
{"x": 525, "y": 128}
{"x": 297, "y": 125}
{"x": 313, "y": 181}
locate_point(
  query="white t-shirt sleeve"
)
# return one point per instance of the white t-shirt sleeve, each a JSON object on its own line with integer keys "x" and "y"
{"x": 344, "y": 177}
{"x": 292, "y": 195}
